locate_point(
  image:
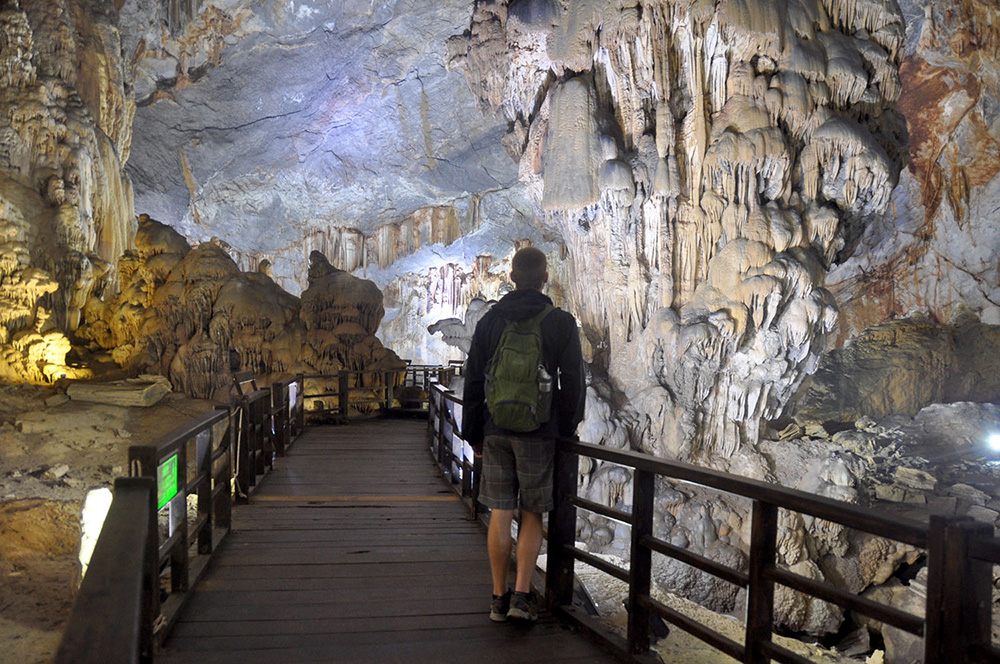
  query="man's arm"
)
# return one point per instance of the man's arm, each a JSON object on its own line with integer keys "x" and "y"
{"x": 474, "y": 394}
{"x": 572, "y": 381}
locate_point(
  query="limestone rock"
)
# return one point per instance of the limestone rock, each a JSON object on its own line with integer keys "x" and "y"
{"x": 937, "y": 251}
{"x": 458, "y": 333}
{"x": 915, "y": 478}
{"x": 56, "y": 400}
{"x": 969, "y": 493}
{"x": 902, "y": 366}
{"x": 143, "y": 391}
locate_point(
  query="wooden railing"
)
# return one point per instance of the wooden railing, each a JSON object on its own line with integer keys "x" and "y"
{"x": 352, "y": 388}
{"x": 118, "y": 615}
{"x": 954, "y": 601}
{"x": 118, "y": 586}
{"x": 960, "y": 552}
{"x": 983, "y": 551}
{"x": 449, "y": 448}
{"x": 345, "y": 391}
{"x": 266, "y": 419}
{"x": 192, "y": 460}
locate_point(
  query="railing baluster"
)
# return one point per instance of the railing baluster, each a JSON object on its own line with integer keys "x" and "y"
{"x": 343, "y": 394}
{"x": 203, "y": 468}
{"x": 958, "y": 591}
{"x": 390, "y": 382}
{"x": 300, "y": 403}
{"x": 279, "y": 410}
{"x": 760, "y": 591}
{"x": 562, "y": 531}
{"x": 243, "y": 455}
{"x": 640, "y": 571}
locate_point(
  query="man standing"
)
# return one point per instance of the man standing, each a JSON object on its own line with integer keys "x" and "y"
{"x": 518, "y": 460}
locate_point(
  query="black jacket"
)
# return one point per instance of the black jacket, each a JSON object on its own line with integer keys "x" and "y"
{"x": 561, "y": 356}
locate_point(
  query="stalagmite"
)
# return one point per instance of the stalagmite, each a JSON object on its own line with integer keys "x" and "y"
{"x": 194, "y": 316}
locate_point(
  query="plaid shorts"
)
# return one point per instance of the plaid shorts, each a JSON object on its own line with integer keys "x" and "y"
{"x": 517, "y": 465}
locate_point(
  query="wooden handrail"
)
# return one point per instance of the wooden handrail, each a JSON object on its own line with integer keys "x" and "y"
{"x": 112, "y": 617}
{"x": 846, "y": 514}
{"x": 381, "y": 391}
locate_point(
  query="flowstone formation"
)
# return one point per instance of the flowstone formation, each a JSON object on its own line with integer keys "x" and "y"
{"x": 705, "y": 163}
{"x": 65, "y": 202}
{"x": 192, "y": 315}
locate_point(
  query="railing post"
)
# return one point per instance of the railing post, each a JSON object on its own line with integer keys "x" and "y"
{"x": 958, "y": 591}
{"x": 343, "y": 394}
{"x": 224, "y": 506}
{"x": 477, "y": 476}
{"x": 279, "y": 408}
{"x": 179, "y": 563}
{"x": 760, "y": 589}
{"x": 267, "y": 431}
{"x": 562, "y": 530}
{"x": 203, "y": 466}
{"x": 431, "y": 416}
{"x": 390, "y": 383}
{"x": 300, "y": 403}
{"x": 243, "y": 456}
{"x": 142, "y": 464}
{"x": 640, "y": 571}
{"x": 150, "y": 576}
{"x": 466, "y": 470}
{"x": 442, "y": 455}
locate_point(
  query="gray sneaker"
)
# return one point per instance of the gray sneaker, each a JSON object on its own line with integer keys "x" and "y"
{"x": 522, "y": 607}
{"x": 499, "y": 607}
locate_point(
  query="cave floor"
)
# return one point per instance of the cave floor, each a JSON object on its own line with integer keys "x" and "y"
{"x": 355, "y": 549}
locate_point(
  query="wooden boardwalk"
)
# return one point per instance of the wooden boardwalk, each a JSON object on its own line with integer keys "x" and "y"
{"x": 355, "y": 550}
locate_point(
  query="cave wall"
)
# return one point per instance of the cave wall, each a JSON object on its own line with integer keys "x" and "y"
{"x": 714, "y": 182}
{"x": 705, "y": 163}
{"x": 331, "y": 126}
{"x": 937, "y": 249}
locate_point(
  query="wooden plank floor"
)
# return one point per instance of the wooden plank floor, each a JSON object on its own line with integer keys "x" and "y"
{"x": 354, "y": 549}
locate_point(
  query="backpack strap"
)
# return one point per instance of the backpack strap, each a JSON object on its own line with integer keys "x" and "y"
{"x": 537, "y": 320}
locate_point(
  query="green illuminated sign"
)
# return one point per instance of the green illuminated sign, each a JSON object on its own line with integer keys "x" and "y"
{"x": 166, "y": 481}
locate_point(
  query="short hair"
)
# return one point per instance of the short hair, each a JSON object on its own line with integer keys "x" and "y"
{"x": 528, "y": 268}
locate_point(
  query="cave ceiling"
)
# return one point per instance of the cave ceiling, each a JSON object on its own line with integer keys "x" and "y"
{"x": 261, "y": 122}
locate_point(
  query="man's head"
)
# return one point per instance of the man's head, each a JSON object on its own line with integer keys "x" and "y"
{"x": 528, "y": 269}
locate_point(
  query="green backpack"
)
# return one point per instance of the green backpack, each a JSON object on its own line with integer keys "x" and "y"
{"x": 518, "y": 389}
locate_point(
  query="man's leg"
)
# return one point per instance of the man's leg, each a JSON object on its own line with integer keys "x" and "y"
{"x": 529, "y": 543}
{"x": 499, "y": 544}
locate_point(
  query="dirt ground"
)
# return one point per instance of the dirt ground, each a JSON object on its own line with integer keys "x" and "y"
{"x": 50, "y": 457}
